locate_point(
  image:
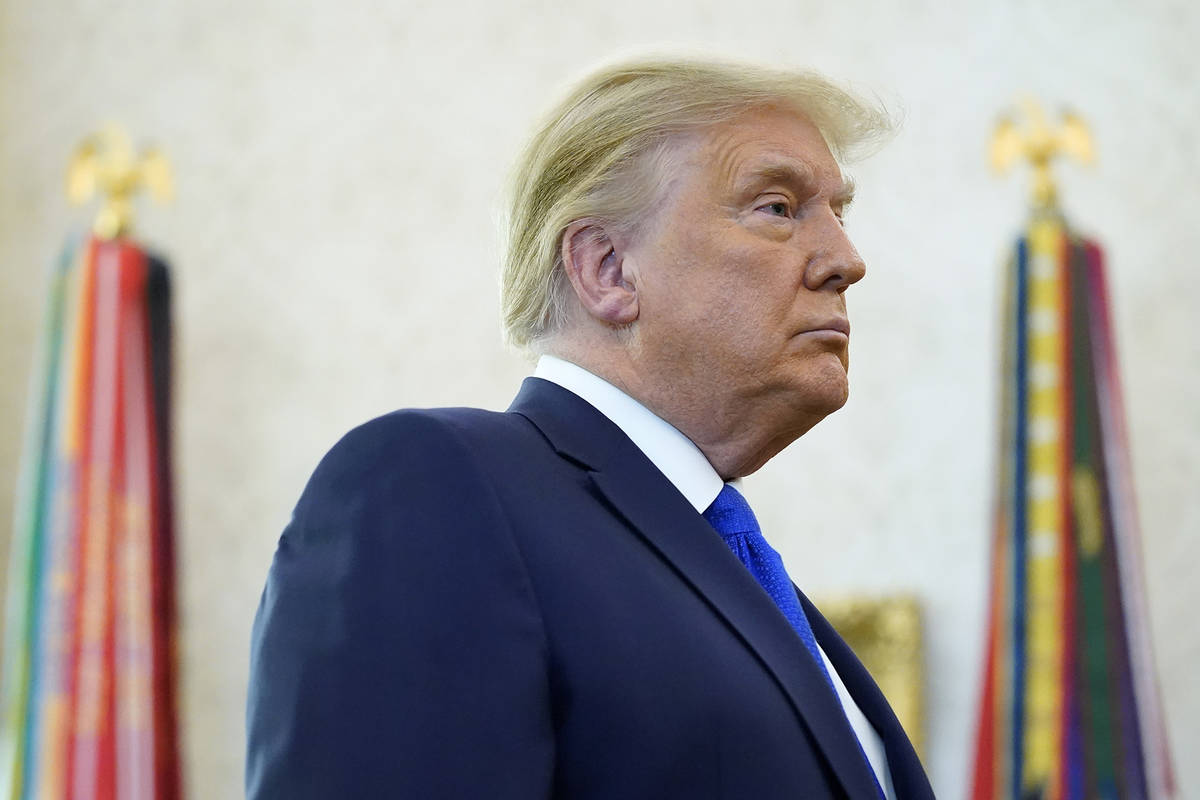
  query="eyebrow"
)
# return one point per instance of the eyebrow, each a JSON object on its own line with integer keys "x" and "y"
{"x": 797, "y": 175}
{"x": 844, "y": 196}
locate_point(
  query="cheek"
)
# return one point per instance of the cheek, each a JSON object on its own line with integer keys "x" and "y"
{"x": 740, "y": 333}
{"x": 709, "y": 286}
{"x": 755, "y": 289}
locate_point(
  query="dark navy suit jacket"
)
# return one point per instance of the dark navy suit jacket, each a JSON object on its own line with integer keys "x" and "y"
{"x": 470, "y": 604}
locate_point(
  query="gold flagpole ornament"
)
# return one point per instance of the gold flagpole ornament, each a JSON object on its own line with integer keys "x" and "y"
{"x": 1040, "y": 143}
{"x": 105, "y": 163}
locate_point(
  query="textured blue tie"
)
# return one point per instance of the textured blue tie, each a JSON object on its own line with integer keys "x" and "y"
{"x": 730, "y": 516}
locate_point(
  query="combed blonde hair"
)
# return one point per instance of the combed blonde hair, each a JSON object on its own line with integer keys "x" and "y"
{"x": 603, "y": 154}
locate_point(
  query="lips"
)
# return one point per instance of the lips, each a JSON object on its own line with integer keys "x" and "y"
{"x": 838, "y": 324}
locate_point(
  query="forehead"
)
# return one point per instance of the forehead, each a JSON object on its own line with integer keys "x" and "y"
{"x": 770, "y": 143}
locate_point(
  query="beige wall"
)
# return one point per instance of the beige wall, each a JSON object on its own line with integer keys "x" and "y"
{"x": 334, "y": 247}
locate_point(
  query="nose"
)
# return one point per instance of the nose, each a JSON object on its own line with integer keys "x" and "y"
{"x": 834, "y": 263}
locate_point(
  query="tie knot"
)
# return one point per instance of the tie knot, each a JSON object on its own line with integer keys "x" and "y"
{"x": 730, "y": 514}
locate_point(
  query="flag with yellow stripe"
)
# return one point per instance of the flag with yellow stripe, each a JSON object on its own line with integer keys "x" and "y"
{"x": 1069, "y": 706}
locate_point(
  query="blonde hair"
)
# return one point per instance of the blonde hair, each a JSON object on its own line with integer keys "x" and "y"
{"x": 604, "y": 153}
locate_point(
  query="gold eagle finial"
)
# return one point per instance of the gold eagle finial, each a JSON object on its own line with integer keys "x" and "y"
{"x": 1040, "y": 144}
{"x": 105, "y": 163}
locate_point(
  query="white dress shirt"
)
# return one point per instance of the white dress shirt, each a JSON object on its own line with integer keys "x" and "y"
{"x": 688, "y": 469}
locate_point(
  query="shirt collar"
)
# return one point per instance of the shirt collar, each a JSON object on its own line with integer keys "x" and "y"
{"x": 675, "y": 456}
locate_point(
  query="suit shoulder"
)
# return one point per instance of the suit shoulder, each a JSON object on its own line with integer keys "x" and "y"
{"x": 446, "y": 444}
{"x": 428, "y": 433}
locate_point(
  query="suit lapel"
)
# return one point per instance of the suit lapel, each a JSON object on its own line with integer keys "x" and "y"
{"x": 908, "y": 776}
{"x": 656, "y": 510}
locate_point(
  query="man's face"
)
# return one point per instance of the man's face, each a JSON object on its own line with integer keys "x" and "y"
{"x": 741, "y": 277}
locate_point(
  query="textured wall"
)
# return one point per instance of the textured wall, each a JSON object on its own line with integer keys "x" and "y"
{"x": 338, "y": 167}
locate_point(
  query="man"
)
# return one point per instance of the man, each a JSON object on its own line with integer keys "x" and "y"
{"x": 568, "y": 600}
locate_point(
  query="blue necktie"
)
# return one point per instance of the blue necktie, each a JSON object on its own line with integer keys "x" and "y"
{"x": 730, "y": 516}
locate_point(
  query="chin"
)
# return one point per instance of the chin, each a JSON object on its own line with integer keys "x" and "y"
{"x": 832, "y": 401}
{"x": 827, "y": 389}
{"x": 814, "y": 404}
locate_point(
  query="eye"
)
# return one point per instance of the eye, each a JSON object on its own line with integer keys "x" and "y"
{"x": 778, "y": 208}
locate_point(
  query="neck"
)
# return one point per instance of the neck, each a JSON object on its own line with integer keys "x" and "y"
{"x": 729, "y": 433}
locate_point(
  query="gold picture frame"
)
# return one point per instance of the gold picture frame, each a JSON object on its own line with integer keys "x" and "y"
{"x": 887, "y": 635}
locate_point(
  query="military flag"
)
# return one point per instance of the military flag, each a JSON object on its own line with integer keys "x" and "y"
{"x": 87, "y": 694}
{"x": 1069, "y": 705}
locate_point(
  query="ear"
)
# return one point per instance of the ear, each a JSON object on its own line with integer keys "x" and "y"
{"x": 595, "y": 266}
